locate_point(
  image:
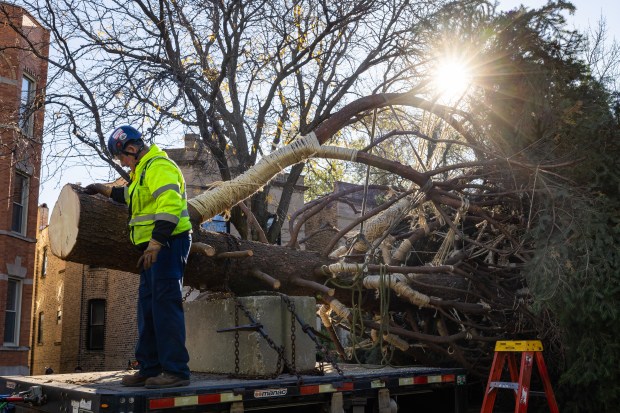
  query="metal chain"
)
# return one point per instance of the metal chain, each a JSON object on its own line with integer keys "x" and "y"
{"x": 269, "y": 340}
{"x": 187, "y": 294}
{"x": 306, "y": 328}
{"x": 236, "y": 341}
{"x": 234, "y": 245}
{"x": 291, "y": 307}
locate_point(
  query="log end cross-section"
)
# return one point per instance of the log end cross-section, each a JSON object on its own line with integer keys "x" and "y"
{"x": 91, "y": 229}
{"x": 64, "y": 223}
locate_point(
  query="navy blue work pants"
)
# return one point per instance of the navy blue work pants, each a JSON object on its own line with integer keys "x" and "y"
{"x": 161, "y": 322}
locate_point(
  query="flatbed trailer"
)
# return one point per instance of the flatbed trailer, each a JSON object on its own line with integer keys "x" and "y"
{"x": 358, "y": 389}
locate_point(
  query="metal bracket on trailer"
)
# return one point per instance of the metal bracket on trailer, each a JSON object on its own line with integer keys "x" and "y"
{"x": 236, "y": 407}
{"x": 336, "y": 403}
{"x": 386, "y": 404}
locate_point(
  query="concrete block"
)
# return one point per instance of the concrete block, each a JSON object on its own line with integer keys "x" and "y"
{"x": 213, "y": 352}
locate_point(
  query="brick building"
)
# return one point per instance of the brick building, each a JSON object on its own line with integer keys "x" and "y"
{"x": 23, "y": 78}
{"x": 85, "y": 316}
{"x": 322, "y": 227}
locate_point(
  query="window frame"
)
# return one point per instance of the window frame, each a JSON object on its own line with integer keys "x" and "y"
{"x": 23, "y": 204}
{"x": 44, "y": 263}
{"x": 27, "y": 125}
{"x": 94, "y": 328}
{"x": 40, "y": 320}
{"x": 16, "y": 311}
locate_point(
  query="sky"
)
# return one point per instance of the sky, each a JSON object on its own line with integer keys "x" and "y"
{"x": 587, "y": 15}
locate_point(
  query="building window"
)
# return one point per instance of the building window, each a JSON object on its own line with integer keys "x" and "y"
{"x": 40, "y": 329}
{"x": 96, "y": 324}
{"x": 217, "y": 224}
{"x": 19, "y": 197}
{"x": 11, "y": 318}
{"x": 44, "y": 263}
{"x": 26, "y": 118}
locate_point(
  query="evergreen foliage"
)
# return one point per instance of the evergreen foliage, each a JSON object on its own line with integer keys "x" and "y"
{"x": 574, "y": 276}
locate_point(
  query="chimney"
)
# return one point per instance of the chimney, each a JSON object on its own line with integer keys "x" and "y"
{"x": 43, "y": 216}
{"x": 192, "y": 141}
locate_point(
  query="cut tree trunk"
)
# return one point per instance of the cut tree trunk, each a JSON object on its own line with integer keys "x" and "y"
{"x": 92, "y": 230}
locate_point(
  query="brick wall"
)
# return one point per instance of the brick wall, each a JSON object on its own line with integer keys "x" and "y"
{"x": 49, "y": 293}
{"x": 66, "y": 290}
{"x": 321, "y": 227}
{"x": 18, "y": 152}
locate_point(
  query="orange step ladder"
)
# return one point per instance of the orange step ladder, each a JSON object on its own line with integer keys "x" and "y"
{"x": 505, "y": 352}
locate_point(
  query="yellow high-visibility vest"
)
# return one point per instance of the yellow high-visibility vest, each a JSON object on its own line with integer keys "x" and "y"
{"x": 156, "y": 192}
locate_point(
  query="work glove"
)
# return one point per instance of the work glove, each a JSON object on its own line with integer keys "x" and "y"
{"x": 149, "y": 256}
{"x": 102, "y": 189}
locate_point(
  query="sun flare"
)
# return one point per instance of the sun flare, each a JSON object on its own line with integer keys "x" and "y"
{"x": 451, "y": 79}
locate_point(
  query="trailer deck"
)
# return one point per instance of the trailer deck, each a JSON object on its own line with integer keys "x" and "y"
{"x": 103, "y": 392}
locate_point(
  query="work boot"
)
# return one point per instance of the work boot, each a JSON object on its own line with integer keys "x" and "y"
{"x": 134, "y": 380}
{"x": 165, "y": 380}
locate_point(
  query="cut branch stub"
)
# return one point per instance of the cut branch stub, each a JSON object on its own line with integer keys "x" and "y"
{"x": 202, "y": 248}
{"x": 235, "y": 254}
{"x": 313, "y": 286}
{"x": 266, "y": 278}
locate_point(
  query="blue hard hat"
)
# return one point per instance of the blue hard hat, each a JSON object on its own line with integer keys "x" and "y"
{"x": 121, "y": 137}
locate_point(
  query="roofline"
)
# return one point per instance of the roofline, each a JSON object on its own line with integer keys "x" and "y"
{"x": 25, "y": 11}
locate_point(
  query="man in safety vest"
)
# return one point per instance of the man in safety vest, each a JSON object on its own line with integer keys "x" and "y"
{"x": 159, "y": 226}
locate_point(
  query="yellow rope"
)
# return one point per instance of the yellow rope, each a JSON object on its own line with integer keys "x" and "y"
{"x": 448, "y": 242}
{"x": 221, "y": 196}
{"x": 339, "y": 268}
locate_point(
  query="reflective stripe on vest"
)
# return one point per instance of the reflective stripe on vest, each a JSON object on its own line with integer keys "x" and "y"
{"x": 159, "y": 217}
{"x": 169, "y": 187}
{"x": 172, "y": 187}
